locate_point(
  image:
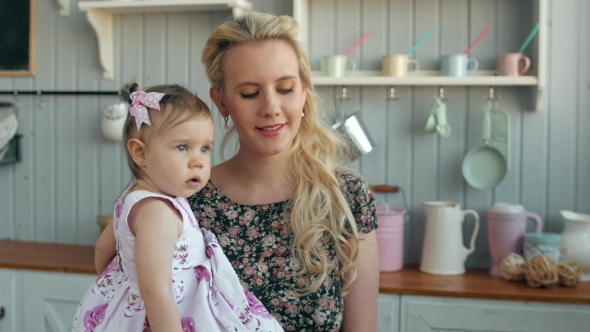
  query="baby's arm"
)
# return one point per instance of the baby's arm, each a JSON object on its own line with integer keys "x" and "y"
{"x": 155, "y": 224}
{"x": 105, "y": 248}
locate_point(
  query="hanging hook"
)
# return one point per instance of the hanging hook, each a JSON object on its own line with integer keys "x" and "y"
{"x": 492, "y": 95}
{"x": 16, "y": 103}
{"x": 343, "y": 96}
{"x": 40, "y": 103}
{"x": 391, "y": 95}
{"x": 441, "y": 93}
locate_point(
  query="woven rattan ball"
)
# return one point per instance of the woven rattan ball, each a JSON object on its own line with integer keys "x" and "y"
{"x": 541, "y": 270}
{"x": 570, "y": 273}
{"x": 512, "y": 267}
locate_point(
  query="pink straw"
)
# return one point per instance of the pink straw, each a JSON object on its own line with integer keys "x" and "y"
{"x": 483, "y": 34}
{"x": 353, "y": 47}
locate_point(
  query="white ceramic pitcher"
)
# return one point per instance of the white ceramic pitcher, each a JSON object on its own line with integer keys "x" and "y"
{"x": 443, "y": 251}
{"x": 575, "y": 241}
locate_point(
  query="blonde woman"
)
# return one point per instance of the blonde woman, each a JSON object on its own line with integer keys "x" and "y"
{"x": 298, "y": 230}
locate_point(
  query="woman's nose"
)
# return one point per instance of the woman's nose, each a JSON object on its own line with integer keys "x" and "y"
{"x": 270, "y": 105}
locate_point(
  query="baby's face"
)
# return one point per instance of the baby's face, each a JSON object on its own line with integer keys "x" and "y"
{"x": 178, "y": 162}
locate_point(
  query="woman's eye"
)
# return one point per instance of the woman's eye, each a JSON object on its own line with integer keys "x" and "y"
{"x": 249, "y": 95}
{"x": 182, "y": 148}
{"x": 285, "y": 91}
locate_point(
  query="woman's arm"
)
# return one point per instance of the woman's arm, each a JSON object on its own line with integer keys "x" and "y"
{"x": 360, "y": 305}
{"x": 156, "y": 228}
{"x": 105, "y": 248}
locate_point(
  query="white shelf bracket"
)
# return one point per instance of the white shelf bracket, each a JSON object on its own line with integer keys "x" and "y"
{"x": 102, "y": 23}
{"x": 64, "y": 7}
{"x": 542, "y": 54}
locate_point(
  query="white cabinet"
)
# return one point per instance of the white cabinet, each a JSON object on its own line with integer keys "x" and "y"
{"x": 10, "y": 309}
{"x": 388, "y": 313}
{"x": 51, "y": 299}
{"x": 423, "y": 313}
{"x": 40, "y": 301}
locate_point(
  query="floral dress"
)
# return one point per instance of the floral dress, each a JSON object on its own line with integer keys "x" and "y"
{"x": 207, "y": 291}
{"x": 257, "y": 240}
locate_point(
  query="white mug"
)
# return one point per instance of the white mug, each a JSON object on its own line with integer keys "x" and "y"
{"x": 335, "y": 65}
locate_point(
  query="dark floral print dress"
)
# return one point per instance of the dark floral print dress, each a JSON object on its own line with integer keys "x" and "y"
{"x": 257, "y": 240}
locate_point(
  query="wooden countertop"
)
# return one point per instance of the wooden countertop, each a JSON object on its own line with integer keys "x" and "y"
{"x": 475, "y": 283}
{"x": 47, "y": 257}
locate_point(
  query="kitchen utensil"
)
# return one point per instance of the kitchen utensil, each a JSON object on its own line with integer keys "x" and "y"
{"x": 506, "y": 224}
{"x": 358, "y": 43}
{"x": 443, "y": 251}
{"x": 575, "y": 240}
{"x": 529, "y": 38}
{"x": 478, "y": 39}
{"x": 547, "y": 244}
{"x": 113, "y": 121}
{"x": 513, "y": 64}
{"x": 353, "y": 127}
{"x": 420, "y": 41}
{"x": 484, "y": 166}
{"x": 8, "y": 128}
{"x": 390, "y": 233}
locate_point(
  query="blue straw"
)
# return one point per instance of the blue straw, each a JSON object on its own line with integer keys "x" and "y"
{"x": 529, "y": 38}
{"x": 420, "y": 41}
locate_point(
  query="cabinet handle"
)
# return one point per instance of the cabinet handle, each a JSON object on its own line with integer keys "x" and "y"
{"x": 2, "y": 312}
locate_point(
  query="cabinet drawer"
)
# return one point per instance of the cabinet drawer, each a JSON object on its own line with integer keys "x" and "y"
{"x": 421, "y": 313}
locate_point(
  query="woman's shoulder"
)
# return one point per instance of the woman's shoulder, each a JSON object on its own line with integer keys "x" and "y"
{"x": 351, "y": 182}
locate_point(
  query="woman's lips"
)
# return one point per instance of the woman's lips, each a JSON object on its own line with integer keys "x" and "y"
{"x": 270, "y": 131}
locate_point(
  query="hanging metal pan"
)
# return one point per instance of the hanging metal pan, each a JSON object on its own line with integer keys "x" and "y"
{"x": 484, "y": 166}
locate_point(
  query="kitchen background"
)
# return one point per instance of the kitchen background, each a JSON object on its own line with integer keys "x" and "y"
{"x": 70, "y": 174}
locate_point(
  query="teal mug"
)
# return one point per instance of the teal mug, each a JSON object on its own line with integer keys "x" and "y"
{"x": 457, "y": 65}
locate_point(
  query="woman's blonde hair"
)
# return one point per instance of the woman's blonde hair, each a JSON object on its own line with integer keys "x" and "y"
{"x": 176, "y": 107}
{"x": 319, "y": 212}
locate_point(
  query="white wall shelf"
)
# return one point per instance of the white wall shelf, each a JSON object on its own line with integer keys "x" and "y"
{"x": 424, "y": 78}
{"x": 100, "y": 16}
{"x": 433, "y": 78}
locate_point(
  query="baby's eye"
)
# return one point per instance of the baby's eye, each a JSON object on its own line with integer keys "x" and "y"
{"x": 249, "y": 95}
{"x": 182, "y": 148}
{"x": 205, "y": 149}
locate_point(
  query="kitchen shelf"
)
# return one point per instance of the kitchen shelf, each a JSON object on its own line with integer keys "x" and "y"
{"x": 424, "y": 78}
{"x": 100, "y": 16}
{"x": 432, "y": 78}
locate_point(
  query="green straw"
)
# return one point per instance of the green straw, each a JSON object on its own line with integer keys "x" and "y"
{"x": 529, "y": 38}
{"x": 420, "y": 41}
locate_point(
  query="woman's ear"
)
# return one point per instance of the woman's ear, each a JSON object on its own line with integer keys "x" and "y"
{"x": 137, "y": 150}
{"x": 217, "y": 97}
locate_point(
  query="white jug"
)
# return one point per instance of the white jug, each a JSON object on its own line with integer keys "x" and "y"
{"x": 575, "y": 241}
{"x": 443, "y": 251}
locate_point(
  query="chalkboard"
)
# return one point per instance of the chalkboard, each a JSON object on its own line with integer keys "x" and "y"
{"x": 17, "y": 37}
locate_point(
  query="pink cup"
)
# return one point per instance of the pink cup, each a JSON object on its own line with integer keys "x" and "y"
{"x": 506, "y": 228}
{"x": 513, "y": 64}
{"x": 390, "y": 238}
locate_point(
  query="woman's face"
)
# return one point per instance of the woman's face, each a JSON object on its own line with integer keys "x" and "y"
{"x": 263, "y": 95}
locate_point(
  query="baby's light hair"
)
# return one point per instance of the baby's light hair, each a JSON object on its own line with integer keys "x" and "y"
{"x": 176, "y": 107}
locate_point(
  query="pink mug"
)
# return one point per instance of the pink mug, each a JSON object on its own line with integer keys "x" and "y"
{"x": 513, "y": 64}
{"x": 507, "y": 225}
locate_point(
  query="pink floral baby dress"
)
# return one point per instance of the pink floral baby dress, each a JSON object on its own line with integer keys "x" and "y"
{"x": 207, "y": 290}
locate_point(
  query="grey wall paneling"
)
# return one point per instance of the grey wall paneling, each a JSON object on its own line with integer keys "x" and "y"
{"x": 583, "y": 140}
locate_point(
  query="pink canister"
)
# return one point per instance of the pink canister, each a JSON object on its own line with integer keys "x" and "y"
{"x": 390, "y": 237}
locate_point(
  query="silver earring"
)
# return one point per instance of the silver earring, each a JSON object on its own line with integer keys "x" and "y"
{"x": 226, "y": 118}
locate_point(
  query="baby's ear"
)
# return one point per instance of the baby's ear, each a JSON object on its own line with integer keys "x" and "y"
{"x": 137, "y": 150}
{"x": 217, "y": 97}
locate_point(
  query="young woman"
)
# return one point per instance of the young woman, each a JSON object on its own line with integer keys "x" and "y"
{"x": 298, "y": 229}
